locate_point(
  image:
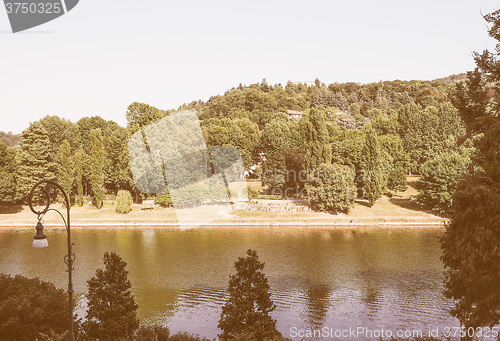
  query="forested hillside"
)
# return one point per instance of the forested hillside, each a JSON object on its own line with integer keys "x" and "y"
{"x": 372, "y": 135}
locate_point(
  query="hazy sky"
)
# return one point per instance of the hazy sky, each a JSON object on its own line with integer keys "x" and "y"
{"x": 104, "y": 55}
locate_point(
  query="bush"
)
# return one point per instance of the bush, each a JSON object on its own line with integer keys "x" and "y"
{"x": 147, "y": 333}
{"x": 123, "y": 202}
{"x": 29, "y": 306}
{"x": 186, "y": 337}
{"x": 163, "y": 199}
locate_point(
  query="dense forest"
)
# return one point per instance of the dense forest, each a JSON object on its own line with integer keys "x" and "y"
{"x": 355, "y": 140}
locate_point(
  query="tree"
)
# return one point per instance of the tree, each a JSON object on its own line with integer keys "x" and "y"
{"x": 66, "y": 167}
{"x": 398, "y": 161}
{"x": 316, "y": 140}
{"x": 79, "y": 177}
{"x": 123, "y": 201}
{"x": 439, "y": 177}
{"x": 331, "y": 187}
{"x": 8, "y": 185}
{"x": 471, "y": 255}
{"x": 248, "y": 310}
{"x": 112, "y": 311}
{"x": 29, "y": 306}
{"x": 371, "y": 165}
{"x": 96, "y": 168}
{"x": 34, "y": 161}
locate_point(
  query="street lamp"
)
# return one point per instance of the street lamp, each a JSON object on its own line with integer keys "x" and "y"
{"x": 40, "y": 239}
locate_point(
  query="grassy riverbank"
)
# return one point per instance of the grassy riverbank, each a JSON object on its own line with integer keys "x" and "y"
{"x": 398, "y": 209}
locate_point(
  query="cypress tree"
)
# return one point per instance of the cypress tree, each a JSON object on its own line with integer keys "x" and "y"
{"x": 96, "y": 167}
{"x": 248, "y": 310}
{"x": 34, "y": 162}
{"x": 66, "y": 167}
{"x": 317, "y": 147}
{"x": 371, "y": 165}
{"x": 112, "y": 311}
{"x": 7, "y": 174}
{"x": 79, "y": 177}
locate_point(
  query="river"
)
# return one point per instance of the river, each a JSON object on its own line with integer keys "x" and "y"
{"x": 339, "y": 279}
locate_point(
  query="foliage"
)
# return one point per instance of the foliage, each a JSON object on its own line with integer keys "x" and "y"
{"x": 53, "y": 336}
{"x": 29, "y": 306}
{"x": 183, "y": 336}
{"x": 471, "y": 254}
{"x": 34, "y": 160}
{"x": 317, "y": 148}
{"x": 96, "y": 168}
{"x": 470, "y": 244}
{"x": 148, "y": 333}
{"x": 111, "y": 313}
{"x": 331, "y": 187}
{"x": 123, "y": 202}
{"x": 163, "y": 199}
{"x": 9, "y": 138}
{"x": 248, "y": 309}
{"x": 79, "y": 178}
{"x": 427, "y": 132}
{"x": 439, "y": 177}
{"x": 8, "y": 185}
{"x": 371, "y": 165}
{"x": 66, "y": 167}
{"x": 398, "y": 161}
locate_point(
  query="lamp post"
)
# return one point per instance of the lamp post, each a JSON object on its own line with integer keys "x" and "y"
{"x": 40, "y": 240}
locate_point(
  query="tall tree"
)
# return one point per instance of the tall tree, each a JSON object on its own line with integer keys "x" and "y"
{"x": 96, "y": 167}
{"x": 8, "y": 185}
{"x": 112, "y": 311}
{"x": 248, "y": 310}
{"x": 371, "y": 165}
{"x": 66, "y": 167}
{"x": 316, "y": 140}
{"x": 34, "y": 161}
{"x": 79, "y": 177}
{"x": 470, "y": 243}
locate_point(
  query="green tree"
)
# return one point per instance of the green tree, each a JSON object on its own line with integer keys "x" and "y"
{"x": 371, "y": 166}
{"x": 398, "y": 161}
{"x": 248, "y": 310}
{"x": 316, "y": 140}
{"x": 66, "y": 167}
{"x": 123, "y": 202}
{"x": 96, "y": 168}
{"x": 79, "y": 177}
{"x": 8, "y": 185}
{"x": 112, "y": 311}
{"x": 331, "y": 187}
{"x": 29, "y": 306}
{"x": 34, "y": 160}
{"x": 439, "y": 177}
{"x": 471, "y": 255}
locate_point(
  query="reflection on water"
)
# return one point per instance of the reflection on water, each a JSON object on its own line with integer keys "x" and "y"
{"x": 338, "y": 279}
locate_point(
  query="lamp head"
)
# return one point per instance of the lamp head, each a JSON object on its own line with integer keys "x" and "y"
{"x": 40, "y": 239}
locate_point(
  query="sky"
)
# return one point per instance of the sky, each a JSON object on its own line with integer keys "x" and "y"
{"x": 104, "y": 55}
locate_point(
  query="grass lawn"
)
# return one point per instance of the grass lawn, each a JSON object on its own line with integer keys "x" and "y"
{"x": 399, "y": 208}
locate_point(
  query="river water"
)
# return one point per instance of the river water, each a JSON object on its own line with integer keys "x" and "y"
{"x": 339, "y": 279}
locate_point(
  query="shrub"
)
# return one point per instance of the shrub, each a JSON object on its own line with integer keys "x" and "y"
{"x": 148, "y": 333}
{"x": 29, "y": 306}
{"x": 123, "y": 202}
{"x": 163, "y": 199}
